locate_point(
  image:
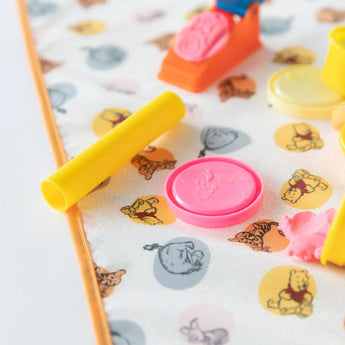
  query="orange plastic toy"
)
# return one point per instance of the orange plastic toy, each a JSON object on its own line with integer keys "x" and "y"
{"x": 197, "y": 76}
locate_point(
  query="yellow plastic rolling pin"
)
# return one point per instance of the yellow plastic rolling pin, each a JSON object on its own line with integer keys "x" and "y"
{"x": 86, "y": 171}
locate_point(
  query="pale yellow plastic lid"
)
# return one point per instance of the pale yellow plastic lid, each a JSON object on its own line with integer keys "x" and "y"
{"x": 300, "y": 91}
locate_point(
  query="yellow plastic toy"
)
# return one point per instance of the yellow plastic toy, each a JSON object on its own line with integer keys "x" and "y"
{"x": 334, "y": 247}
{"x": 91, "y": 167}
{"x": 300, "y": 91}
{"x": 334, "y": 69}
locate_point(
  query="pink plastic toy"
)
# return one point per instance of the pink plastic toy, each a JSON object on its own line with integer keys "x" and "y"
{"x": 214, "y": 192}
{"x": 307, "y": 233}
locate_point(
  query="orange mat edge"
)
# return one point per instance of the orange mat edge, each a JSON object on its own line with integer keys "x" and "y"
{"x": 95, "y": 303}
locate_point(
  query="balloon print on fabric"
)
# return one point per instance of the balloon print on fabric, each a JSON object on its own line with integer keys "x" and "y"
{"x": 305, "y": 191}
{"x": 89, "y": 27}
{"x": 206, "y": 324}
{"x": 263, "y": 236}
{"x": 125, "y": 332}
{"x": 288, "y": 290}
{"x": 88, "y": 3}
{"x": 222, "y": 140}
{"x": 105, "y": 57}
{"x": 180, "y": 263}
{"x": 153, "y": 159}
{"x": 149, "y": 210}
{"x": 40, "y": 8}
{"x": 61, "y": 93}
{"x": 236, "y": 86}
{"x": 107, "y": 281}
{"x": 295, "y": 55}
{"x": 276, "y": 25}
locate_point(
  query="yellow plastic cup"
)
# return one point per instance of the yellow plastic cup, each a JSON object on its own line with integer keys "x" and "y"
{"x": 86, "y": 171}
{"x": 334, "y": 69}
{"x": 338, "y": 118}
{"x": 334, "y": 247}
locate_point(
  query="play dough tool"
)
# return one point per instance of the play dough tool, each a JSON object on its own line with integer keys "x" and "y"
{"x": 209, "y": 46}
{"x": 300, "y": 91}
{"x": 214, "y": 192}
{"x": 235, "y": 6}
{"x": 334, "y": 247}
{"x": 91, "y": 167}
{"x": 334, "y": 69}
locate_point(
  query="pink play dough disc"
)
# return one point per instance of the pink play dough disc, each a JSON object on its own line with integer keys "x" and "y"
{"x": 203, "y": 37}
{"x": 214, "y": 192}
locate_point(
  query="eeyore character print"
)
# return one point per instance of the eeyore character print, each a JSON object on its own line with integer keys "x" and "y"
{"x": 180, "y": 263}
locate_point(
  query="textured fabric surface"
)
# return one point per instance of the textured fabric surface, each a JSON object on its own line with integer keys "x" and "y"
{"x": 101, "y": 60}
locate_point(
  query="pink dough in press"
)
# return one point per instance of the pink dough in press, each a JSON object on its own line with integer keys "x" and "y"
{"x": 203, "y": 37}
{"x": 307, "y": 233}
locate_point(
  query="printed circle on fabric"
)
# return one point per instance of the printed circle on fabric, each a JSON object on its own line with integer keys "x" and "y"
{"x": 263, "y": 236}
{"x": 180, "y": 263}
{"x": 206, "y": 324}
{"x": 107, "y": 119}
{"x": 305, "y": 191}
{"x": 298, "y": 137}
{"x": 288, "y": 290}
{"x": 125, "y": 332}
{"x": 149, "y": 210}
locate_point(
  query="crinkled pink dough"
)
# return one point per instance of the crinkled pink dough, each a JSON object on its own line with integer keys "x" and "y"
{"x": 307, "y": 233}
{"x": 203, "y": 37}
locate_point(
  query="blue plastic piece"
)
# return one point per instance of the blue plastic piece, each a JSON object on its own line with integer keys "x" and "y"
{"x": 235, "y": 6}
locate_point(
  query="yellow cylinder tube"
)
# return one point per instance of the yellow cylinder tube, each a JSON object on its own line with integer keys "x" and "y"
{"x": 87, "y": 170}
{"x": 333, "y": 72}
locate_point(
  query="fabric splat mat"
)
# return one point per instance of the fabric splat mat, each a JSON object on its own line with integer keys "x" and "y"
{"x": 150, "y": 278}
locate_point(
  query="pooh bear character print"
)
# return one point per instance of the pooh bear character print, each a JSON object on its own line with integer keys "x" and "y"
{"x": 298, "y": 137}
{"x": 149, "y": 210}
{"x": 180, "y": 263}
{"x": 288, "y": 290}
{"x": 305, "y": 191}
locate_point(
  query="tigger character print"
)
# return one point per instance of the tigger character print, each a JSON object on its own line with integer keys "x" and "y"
{"x": 236, "y": 86}
{"x": 305, "y": 191}
{"x": 298, "y": 137}
{"x": 153, "y": 159}
{"x": 107, "y": 281}
{"x": 150, "y": 210}
{"x": 262, "y": 236}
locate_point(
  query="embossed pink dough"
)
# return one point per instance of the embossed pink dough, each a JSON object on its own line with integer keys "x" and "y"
{"x": 203, "y": 37}
{"x": 214, "y": 188}
{"x": 307, "y": 233}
